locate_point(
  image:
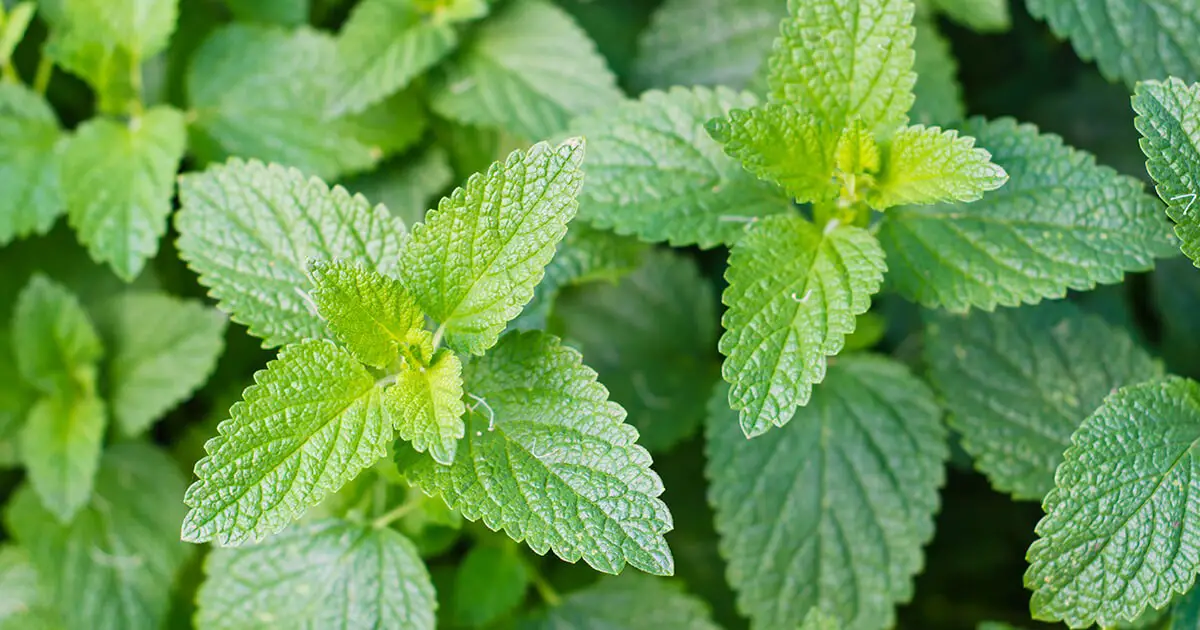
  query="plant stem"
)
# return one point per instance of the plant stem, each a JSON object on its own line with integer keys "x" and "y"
{"x": 544, "y": 589}
{"x": 45, "y": 68}
{"x": 437, "y": 336}
{"x": 395, "y": 513}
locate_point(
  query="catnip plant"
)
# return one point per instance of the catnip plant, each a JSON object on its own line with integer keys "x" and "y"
{"x": 483, "y": 314}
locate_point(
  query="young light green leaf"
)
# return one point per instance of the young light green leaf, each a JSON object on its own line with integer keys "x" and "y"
{"x": 60, "y": 446}
{"x": 142, "y": 27}
{"x": 55, "y": 345}
{"x": 118, "y": 180}
{"x": 29, "y": 156}
{"x": 839, "y": 60}
{"x": 939, "y": 97}
{"x": 274, "y": 109}
{"x": 585, "y": 255}
{"x": 249, "y": 231}
{"x": 794, "y": 293}
{"x": 529, "y": 70}
{"x": 1119, "y": 533}
{"x": 925, "y": 165}
{"x": 779, "y": 144}
{"x": 474, "y": 262}
{"x": 629, "y": 602}
{"x": 650, "y": 338}
{"x": 1018, "y": 382}
{"x": 160, "y": 350}
{"x": 1169, "y": 121}
{"x": 1130, "y": 40}
{"x": 653, "y": 171}
{"x": 114, "y": 565}
{"x": 983, "y": 16}
{"x": 706, "y": 42}
{"x": 426, "y": 405}
{"x": 831, "y": 511}
{"x": 311, "y": 422}
{"x": 546, "y": 423}
{"x": 370, "y": 313}
{"x": 13, "y": 27}
{"x": 383, "y": 46}
{"x": 1061, "y": 222}
{"x": 327, "y": 574}
{"x": 489, "y": 584}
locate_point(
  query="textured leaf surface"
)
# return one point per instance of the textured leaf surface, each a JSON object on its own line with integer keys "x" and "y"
{"x": 489, "y": 584}
{"x": 838, "y": 60}
{"x": 60, "y": 445}
{"x": 1018, "y": 382}
{"x": 653, "y": 171}
{"x": 327, "y": 574}
{"x": 141, "y": 26}
{"x": 780, "y": 144}
{"x": 160, "y": 350}
{"x": 474, "y": 262}
{"x": 383, "y": 46}
{"x": 274, "y": 109}
{"x": 1120, "y": 530}
{"x": 529, "y": 70}
{"x": 29, "y": 154}
{"x": 818, "y": 620}
{"x": 650, "y": 338}
{"x": 249, "y": 231}
{"x": 831, "y": 511}
{"x": 113, "y": 566}
{"x": 55, "y": 345}
{"x": 118, "y": 180}
{"x": 370, "y": 313}
{"x": 310, "y": 423}
{"x": 794, "y": 292}
{"x": 550, "y": 460}
{"x": 1130, "y": 40}
{"x": 707, "y": 42}
{"x": 939, "y": 97}
{"x": 1061, "y": 222}
{"x": 925, "y": 165}
{"x": 630, "y": 602}
{"x": 1169, "y": 121}
{"x": 426, "y": 404}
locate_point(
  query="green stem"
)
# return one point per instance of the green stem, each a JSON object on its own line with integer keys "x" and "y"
{"x": 437, "y": 336}
{"x": 544, "y": 589}
{"x": 395, "y": 514}
{"x": 45, "y": 68}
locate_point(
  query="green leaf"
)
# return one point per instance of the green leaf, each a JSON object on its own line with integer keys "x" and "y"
{"x": 274, "y": 109}
{"x": 706, "y": 42}
{"x": 653, "y": 171}
{"x": 489, "y": 584}
{"x": 161, "y": 349}
{"x": 29, "y": 155}
{"x": 629, "y": 602}
{"x": 60, "y": 446}
{"x": 370, "y": 313}
{"x": 546, "y": 423}
{"x": 474, "y": 262}
{"x": 328, "y": 574}
{"x": 939, "y": 97}
{"x": 831, "y": 511}
{"x": 13, "y": 27}
{"x": 983, "y": 16}
{"x": 18, "y": 584}
{"x": 779, "y": 144}
{"x": 1018, "y": 382}
{"x": 407, "y": 188}
{"x": 54, "y": 343}
{"x": 249, "y": 231}
{"x": 1061, "y": 222}
{"x": 143, "y": 27}
{"x": 311, "y": 422}
{"x": 383, "y": 46}
{"x": 113, "y": 566}
{"x": 650, "y": 338}
{"x": 1130, "y": 40}
{"x": 1185, "y": 613}
{"x": 840, "y": 60}
{"x": 794, "y": 293}
{"x": 925, "y": 165}
{"x": 16, "y": 398}
{"x": 1169, "y": 121}
{"x": 528, "y": 71}
{"x": 118, "y": 181}
{"x": 112, "y": 72}
{"x": 426, "y": 404}
{"x": 1119, "y": 532}
{"x": 283, "y": 12}
{"x": 585, "y": 255}
{"x": 818, "y": 620}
